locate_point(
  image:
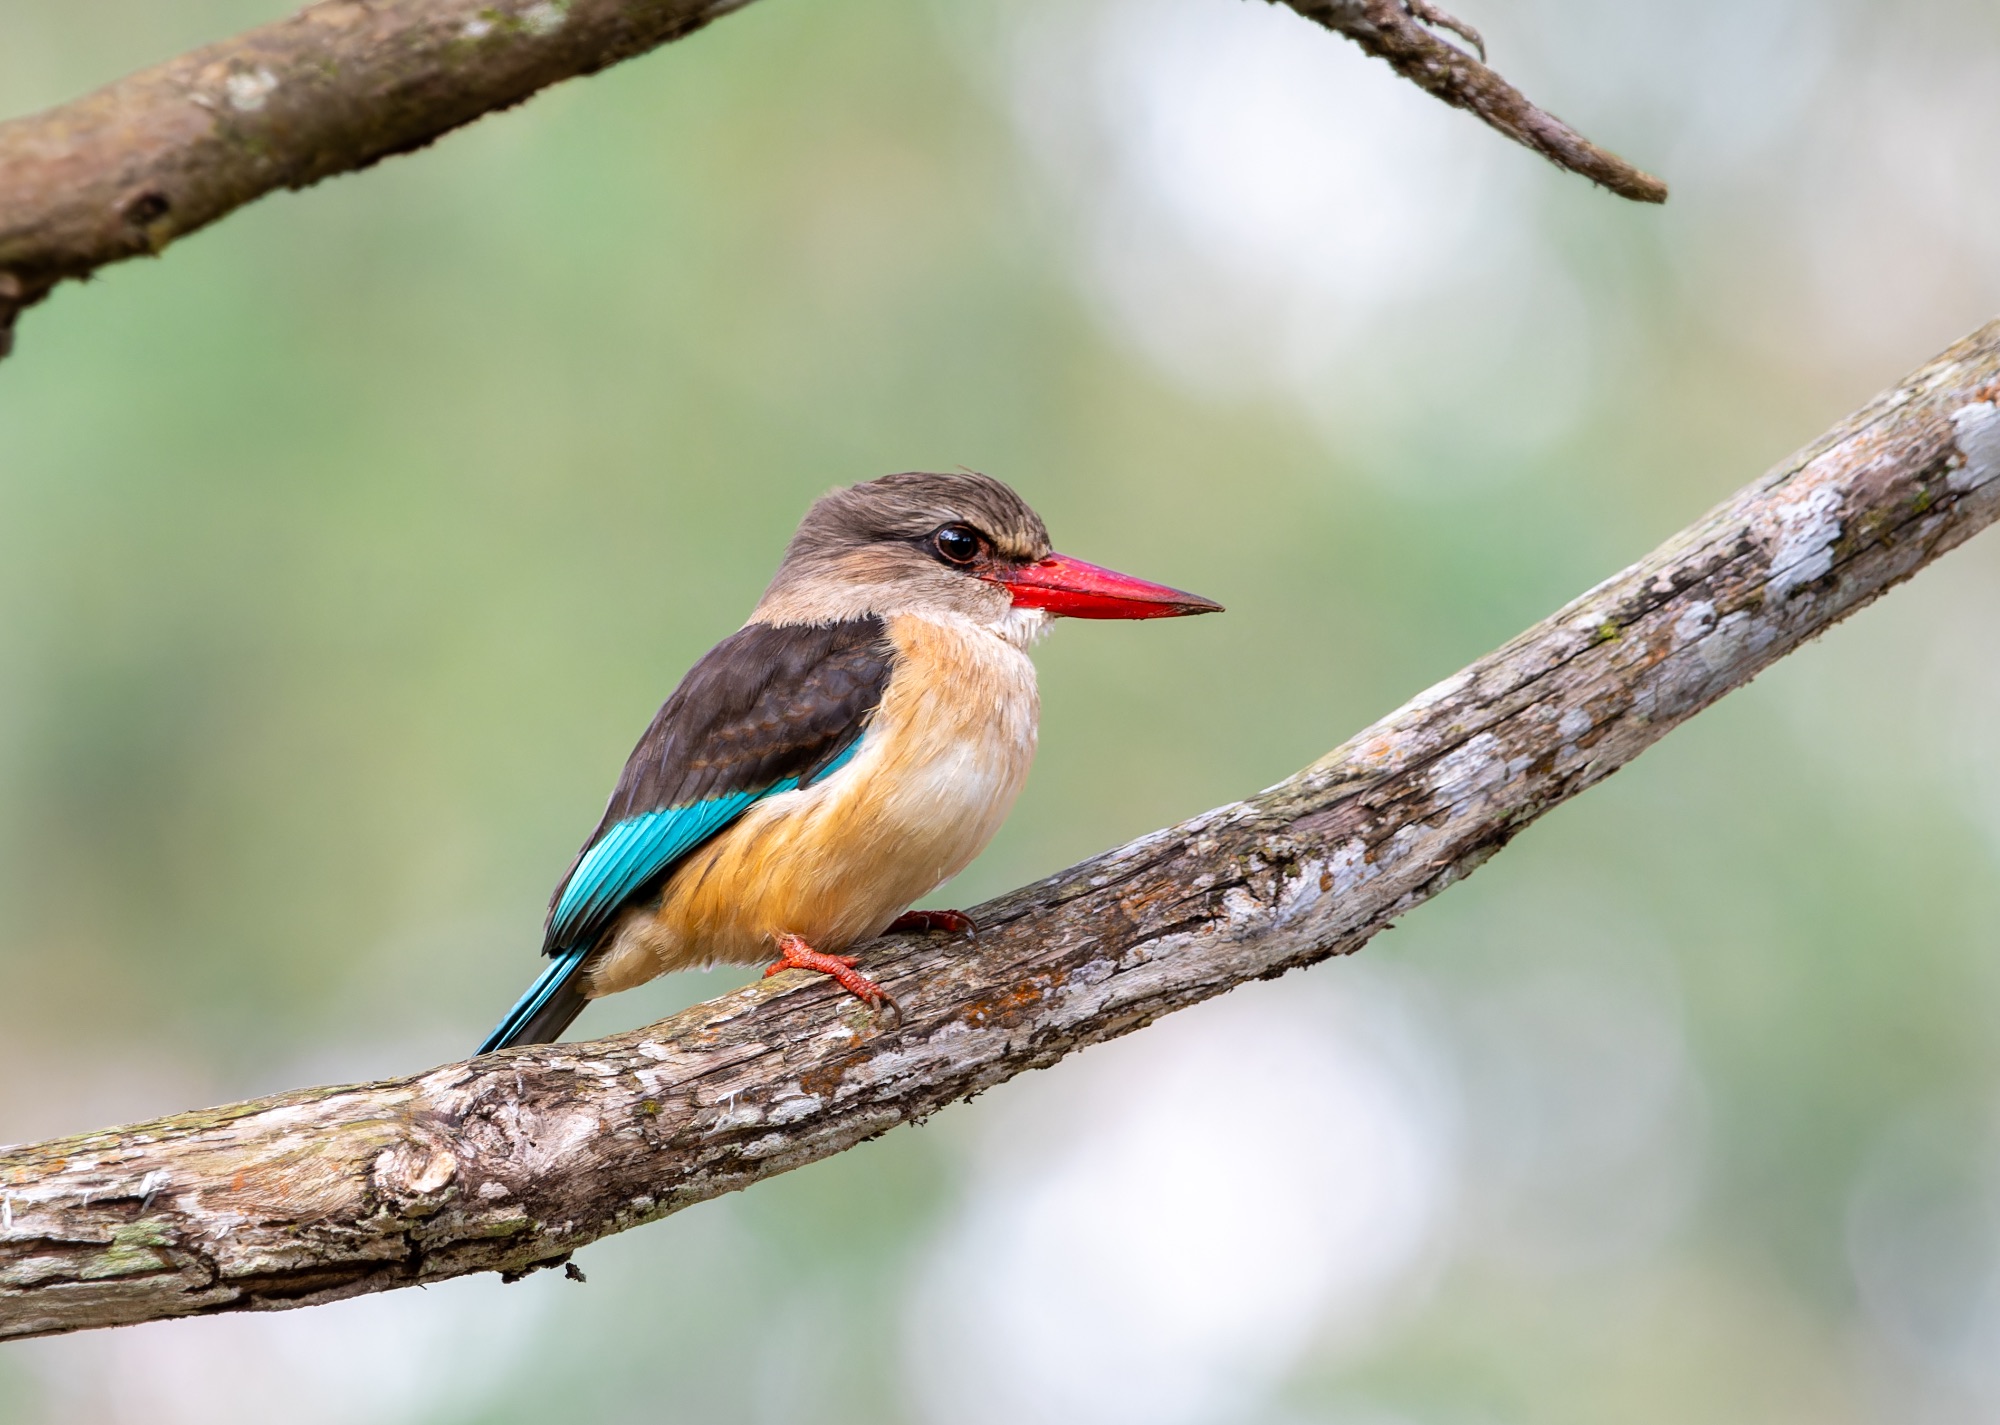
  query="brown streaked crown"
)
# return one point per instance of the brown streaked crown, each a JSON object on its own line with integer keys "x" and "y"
{"x": 868, "y": 549}
{"x": 912, "y": 505}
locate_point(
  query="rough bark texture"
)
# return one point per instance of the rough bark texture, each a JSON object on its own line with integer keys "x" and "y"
{"x": 512, "y": 1161}
{"x": 345, "y": 83}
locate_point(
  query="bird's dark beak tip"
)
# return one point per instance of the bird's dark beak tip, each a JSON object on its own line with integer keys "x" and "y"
{"x": 1189, "y": 607}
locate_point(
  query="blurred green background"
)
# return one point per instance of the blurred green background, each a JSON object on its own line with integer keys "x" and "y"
{"x": 345, "y": 552}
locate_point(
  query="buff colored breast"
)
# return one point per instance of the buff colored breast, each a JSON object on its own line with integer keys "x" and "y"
{"x": 936, "y": 773}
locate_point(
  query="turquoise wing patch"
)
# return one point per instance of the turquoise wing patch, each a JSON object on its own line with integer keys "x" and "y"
{"x": 635, "y": 851}
{"x": 639, "y": 848}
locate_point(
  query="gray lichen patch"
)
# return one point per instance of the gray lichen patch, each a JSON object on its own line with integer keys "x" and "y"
{"x": 136, "y": 1249}
{"x": 1976, "y": 427}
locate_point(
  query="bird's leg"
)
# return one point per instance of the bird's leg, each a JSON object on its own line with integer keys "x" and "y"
{"x": 923, "y": 922}
{"x": 795, "y": 954}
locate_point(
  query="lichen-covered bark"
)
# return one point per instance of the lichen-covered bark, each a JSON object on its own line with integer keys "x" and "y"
{"x": 344, "y": 83}
{"x": 512, "y": 1161}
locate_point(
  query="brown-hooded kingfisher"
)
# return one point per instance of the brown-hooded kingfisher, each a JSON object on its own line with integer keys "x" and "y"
{"x": 848, "y": 750}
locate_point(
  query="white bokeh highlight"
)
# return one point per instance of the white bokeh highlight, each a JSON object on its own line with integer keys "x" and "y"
{"x": 1159, "y": 1230}
{"x": 1259, "y": 210}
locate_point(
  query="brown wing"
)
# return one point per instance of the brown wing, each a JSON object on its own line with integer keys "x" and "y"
{"x": 767, "y": 709}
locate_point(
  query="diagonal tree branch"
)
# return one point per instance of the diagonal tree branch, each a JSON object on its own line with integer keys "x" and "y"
{"x": 512, "y": 1161}
{"x": 343, "y": 84}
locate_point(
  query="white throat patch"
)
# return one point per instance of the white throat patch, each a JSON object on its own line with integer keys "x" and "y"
{"x": 1022, "y": 627}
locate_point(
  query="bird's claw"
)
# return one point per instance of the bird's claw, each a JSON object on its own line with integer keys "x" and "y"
{"x": 795, "y": 954}
{"x": 923, "y": 922}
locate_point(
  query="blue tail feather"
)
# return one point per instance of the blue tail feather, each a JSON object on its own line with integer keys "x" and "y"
{"x": 546, "y": 1010}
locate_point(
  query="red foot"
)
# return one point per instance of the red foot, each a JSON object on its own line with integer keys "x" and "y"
{"x": 795, "y": 954}
{"x": 922, "y": 922}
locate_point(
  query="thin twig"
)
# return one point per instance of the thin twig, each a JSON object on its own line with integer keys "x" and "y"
{"x": 1394, "y": 30}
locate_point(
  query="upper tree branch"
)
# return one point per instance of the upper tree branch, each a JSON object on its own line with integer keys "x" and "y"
{"x": 1395, "y": 30}
{"x": 514, "y": 1160}
{"x": 345, "y": 83}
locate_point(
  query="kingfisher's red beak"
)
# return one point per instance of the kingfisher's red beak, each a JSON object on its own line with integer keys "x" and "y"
{"x": 1070, "y": 588}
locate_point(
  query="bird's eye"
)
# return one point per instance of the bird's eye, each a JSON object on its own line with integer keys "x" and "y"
{"x": 956, "y": 544}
